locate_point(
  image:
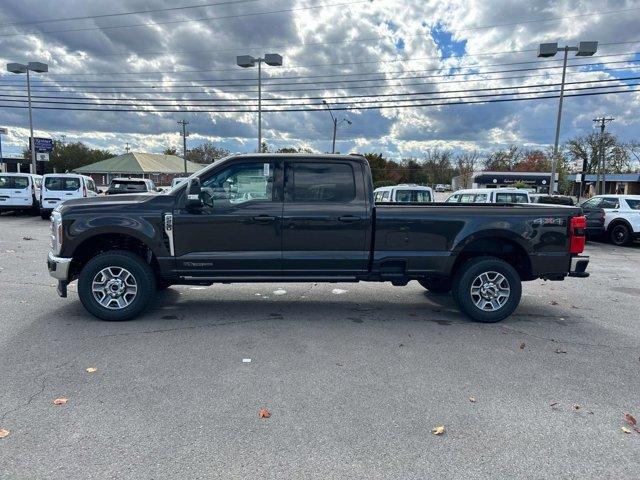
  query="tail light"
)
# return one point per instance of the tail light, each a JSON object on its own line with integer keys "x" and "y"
{"x": 577, "y": 238}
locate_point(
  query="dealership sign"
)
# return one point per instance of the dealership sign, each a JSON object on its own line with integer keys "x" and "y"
{"x": 43, "y": 145}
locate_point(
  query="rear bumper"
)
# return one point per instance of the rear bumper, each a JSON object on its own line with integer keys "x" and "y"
{"x": 579, "y": 266}
{"x": 595, "y": 231}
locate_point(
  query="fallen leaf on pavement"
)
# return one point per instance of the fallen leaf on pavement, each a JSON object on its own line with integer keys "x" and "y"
{"x": 625, "y": 430}
{"x": 559, "y": 350}
{"x": 27, "y": 238}
{"x": 472, "y": 399}
{"x": 92, "y": 369}
{"x": 60, "y": 401}
{"x": 522, "y": 345}
{"x": 10, "y": 251}
{"x": 577, "y": 407}
{"x": 631, "y": 420}
{"x": 553, "y": 302}
{"x": 439, "y": 430}
{"x": 636, "y": 429}
{"x": 554, "y": 404}
{"x": 264, "y": 413}
{"x": 4, "y": 432}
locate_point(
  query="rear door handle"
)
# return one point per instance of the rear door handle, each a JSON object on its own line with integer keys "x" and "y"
{"x": 348, "y": 218}
{"x": 264, "y": 218}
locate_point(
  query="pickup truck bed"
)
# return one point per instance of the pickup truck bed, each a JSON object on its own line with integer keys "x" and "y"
{"x": 266, "y": 217}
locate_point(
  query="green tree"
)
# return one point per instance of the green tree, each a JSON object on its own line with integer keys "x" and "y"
{"x": 65, "y": 157}
{"x": 171, "y": 151}
{"x": 206, "y": 153}
{"x": 587, "y": 149}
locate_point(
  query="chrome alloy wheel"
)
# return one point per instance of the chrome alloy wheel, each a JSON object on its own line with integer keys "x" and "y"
{"x": 114, "y": 288}
{"x": 490, "y": 291}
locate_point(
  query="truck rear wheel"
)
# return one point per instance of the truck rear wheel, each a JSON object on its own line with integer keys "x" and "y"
{"x": 620, "y": 235}
{"x": 436, "y": 286}
{"x": 116, "y": 285}
{"x": 487, "y": 289}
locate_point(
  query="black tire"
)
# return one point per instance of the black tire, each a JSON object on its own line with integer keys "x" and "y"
{"x": 142, "y": 276}
{"x": 45, "y": 214}
{"x": 469, "y": 276}
{"x": 162, "y": 285}
{"x": 620, "y": 235}
{"x": 440, "y": 286}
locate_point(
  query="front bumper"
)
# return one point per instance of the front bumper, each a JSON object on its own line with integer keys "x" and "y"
{"x": 59, "y": 269}
{"x": 579, "y": 266}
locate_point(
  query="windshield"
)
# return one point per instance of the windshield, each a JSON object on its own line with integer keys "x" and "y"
{"x": 128, "y": 186}
{"x": 64, "y": 184}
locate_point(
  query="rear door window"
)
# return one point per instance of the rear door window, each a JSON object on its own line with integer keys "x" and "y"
{"x": 321, "y": 182}
{"x": 610, "y": 202}
{"x": 413, "y": 196}
{"x": 20, "y": 183}
{"x": 62, "y": 184}
{"x": 509, "y": 197}
{"x": 467, "y": 198}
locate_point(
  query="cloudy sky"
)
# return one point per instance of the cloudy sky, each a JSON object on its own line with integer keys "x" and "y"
{"x": 128, "y": 70}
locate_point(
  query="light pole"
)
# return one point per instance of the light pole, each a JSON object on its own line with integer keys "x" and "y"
{"x": 246, "y": 61}
{"x": 335, "y": 122}
{"x": 184, "y": 135}
{"x": 2, "y": 130}
{"x": 21, "y": 68}
{"x": 583, "y": 49}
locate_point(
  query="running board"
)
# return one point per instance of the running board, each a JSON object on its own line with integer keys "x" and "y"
{"x": 238, "y": 279}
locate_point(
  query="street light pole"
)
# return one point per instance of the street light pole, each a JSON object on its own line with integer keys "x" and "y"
{"x": 583, "y": 49}
{"x": 184, "y": 134}
{"x": 246, "y": 61}
{"x": 335, "y": 122}
{"x": 2, "y": 130}
{"x": 34, "y": 67}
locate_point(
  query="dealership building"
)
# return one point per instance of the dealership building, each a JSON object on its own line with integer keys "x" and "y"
{"x": 538, "y": 181}
{"x": 615, "y": 183}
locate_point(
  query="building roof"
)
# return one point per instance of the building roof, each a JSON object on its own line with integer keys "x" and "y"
{"x": 136, "y": 162}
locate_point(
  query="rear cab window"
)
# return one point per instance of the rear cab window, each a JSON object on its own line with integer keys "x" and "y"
{"x": 511, "y": 197}
{"x": 63, "y": 184}
{"x": 128, "y": 186}
{"x": 320, "y": 182}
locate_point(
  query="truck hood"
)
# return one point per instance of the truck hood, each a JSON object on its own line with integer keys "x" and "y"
{"x": 107, "y": 201}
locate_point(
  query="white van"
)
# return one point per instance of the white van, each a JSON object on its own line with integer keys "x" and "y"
{"x": 59, "y": 187}
{"x": 403, "y": 193}
{"x": 19, "y": 191}
{"x": 490, "y": 195}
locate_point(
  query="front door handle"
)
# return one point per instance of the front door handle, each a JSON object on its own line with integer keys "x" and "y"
{"x": 264, "y": 218}
{"x": 348, "y": 218}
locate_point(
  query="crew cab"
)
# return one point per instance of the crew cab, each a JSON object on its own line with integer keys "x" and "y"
{"x": 305, "y": 218}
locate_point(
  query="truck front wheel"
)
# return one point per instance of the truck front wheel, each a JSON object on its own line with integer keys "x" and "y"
{"x": 487, "y": 289}
{"x": 436, "y": 286}
{"x": 116, "y": 285}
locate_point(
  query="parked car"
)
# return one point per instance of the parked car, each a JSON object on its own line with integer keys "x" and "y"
{"x": 178, "y": 180}
{"x": 595, "y": 216}
{"x": 440, "y": 187}
{"x": 622, "y": 216}
{"x": 490, "y": 195}
{"x": 20, "y": 191}
{"x": 551, "y": 199}
{"x": 403, "y": 193}
{"x": 131, "y": 185}
{"x": 263, "y": 218}
{"x": 60, "y": 187}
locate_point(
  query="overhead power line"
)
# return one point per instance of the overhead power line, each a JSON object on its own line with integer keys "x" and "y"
{"x": 298, "y": 109}
{"x": 266, "y": 80}
{"x": 355, "y": 103}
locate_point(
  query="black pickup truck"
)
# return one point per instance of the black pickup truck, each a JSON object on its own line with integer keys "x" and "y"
{"x": 305, "y": 218}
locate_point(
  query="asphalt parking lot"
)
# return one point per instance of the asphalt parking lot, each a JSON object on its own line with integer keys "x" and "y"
{"x": 355, "y": 377}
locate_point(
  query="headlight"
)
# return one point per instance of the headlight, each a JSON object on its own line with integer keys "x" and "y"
{"x": 56, "y": 232}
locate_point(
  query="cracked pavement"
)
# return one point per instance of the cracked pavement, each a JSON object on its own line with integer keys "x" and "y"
{"x": 354, "y": 382}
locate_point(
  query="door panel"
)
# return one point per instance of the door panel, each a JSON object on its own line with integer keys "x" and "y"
{"x": 239, "y": 230}
{"x": 325, "y": 219}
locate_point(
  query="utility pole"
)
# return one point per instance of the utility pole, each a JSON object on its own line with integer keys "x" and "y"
{"x": 127, "y": 148}
{"x": 184, "y": 135}
{"x": 601, "y": 182}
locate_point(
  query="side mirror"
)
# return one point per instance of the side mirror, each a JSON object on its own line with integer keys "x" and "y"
{"x": 193, "y": 193}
